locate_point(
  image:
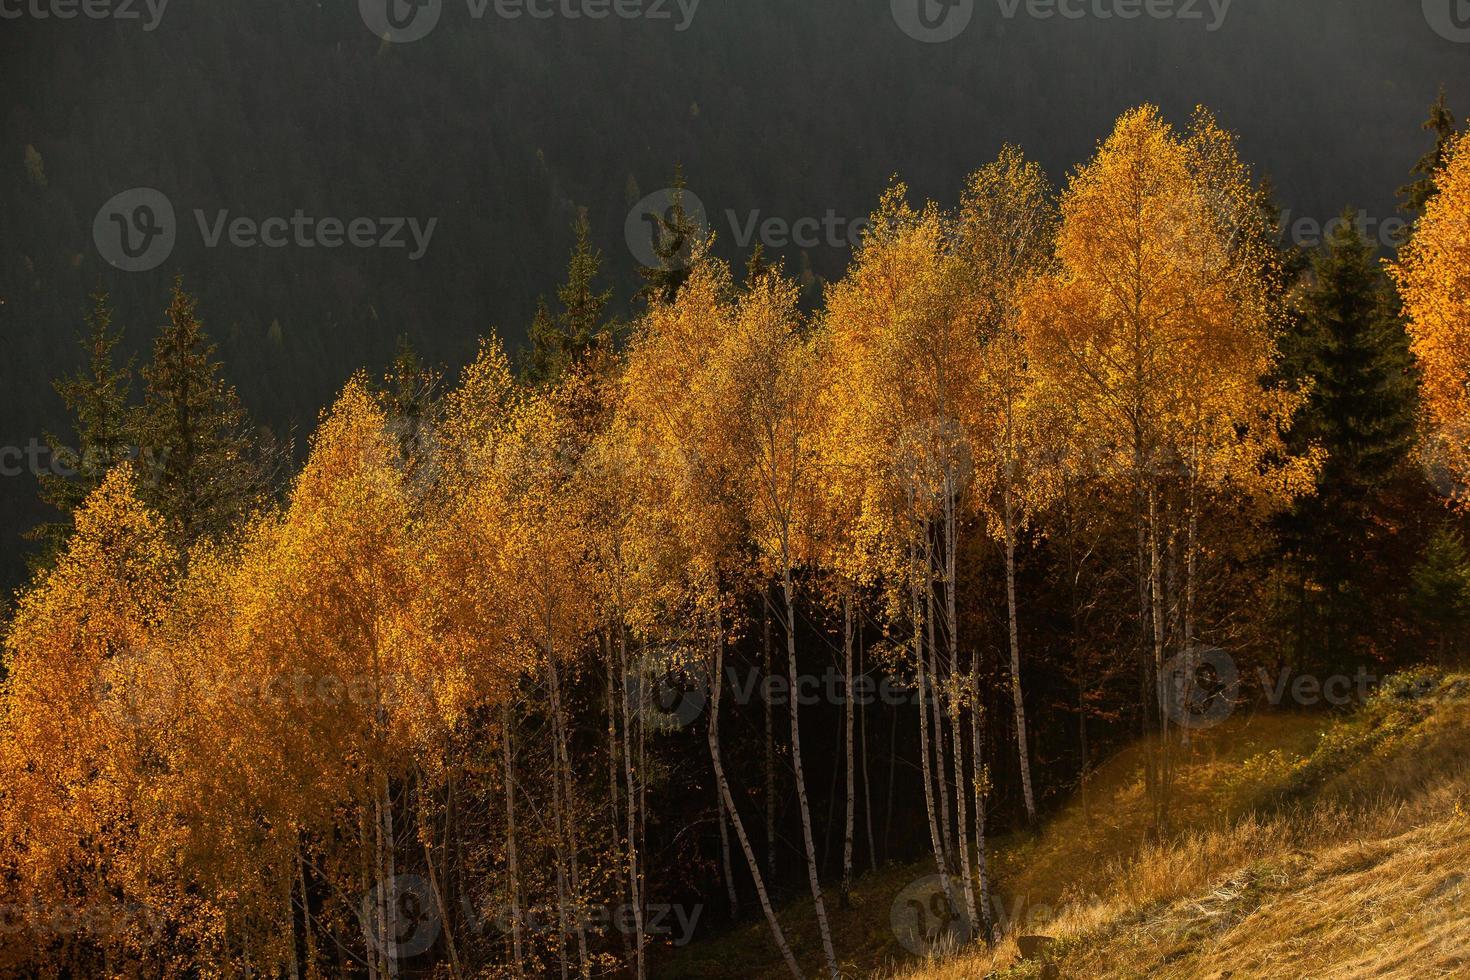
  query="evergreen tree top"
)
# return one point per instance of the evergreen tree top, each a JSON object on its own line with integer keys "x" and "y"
{"x": 1418, "y": 192}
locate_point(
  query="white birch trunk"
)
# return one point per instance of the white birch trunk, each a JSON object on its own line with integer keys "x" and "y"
{"x": 1022, "y": 742}
{"x": 806, "y": 817}
{"x": 635, "y": 885}
{"x": 962, "y": 831}
{"x": 716, "y": 687}
{"x": 564, "y": 769}
{"x": 936, "y": 845}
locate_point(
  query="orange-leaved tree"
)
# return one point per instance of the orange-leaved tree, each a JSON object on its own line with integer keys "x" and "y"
{"x": 1433, "y": 277}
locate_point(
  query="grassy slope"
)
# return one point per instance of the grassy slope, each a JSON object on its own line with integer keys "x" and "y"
{"x": 1303, "y": 848}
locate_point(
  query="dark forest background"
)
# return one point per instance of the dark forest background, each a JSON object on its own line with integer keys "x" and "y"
{"x": 503, "y": 130}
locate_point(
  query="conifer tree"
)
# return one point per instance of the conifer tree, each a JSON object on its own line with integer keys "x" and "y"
{"x": 1417, "y": 193}
{"x": 209, "y": 472}
{"x": 1440, "y": 589}
{"x": 1360, "y": 410}
{"x": 583, "y": 306}
{"x": 97, "y": 398}
{"x": 674, "y": 244}
{"x": 543, "y": 356}
{"x": 570, "y": 337}
{"x": 411, "y": 403}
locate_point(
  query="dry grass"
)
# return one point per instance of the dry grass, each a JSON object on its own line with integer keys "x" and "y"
{"x": 1365, "y": 874}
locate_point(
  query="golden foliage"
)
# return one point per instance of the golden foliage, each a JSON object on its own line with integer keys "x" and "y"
{"x": 1433, "y": 277}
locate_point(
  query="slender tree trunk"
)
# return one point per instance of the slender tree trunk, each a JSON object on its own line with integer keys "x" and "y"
{"x": 372, "y": 920}
{"x": 726, "y": 867}
{"x": 936, "y": 843}
{"x": 1156, "y": 605}
{"x": 635, "y": 885}
{"x": 293, "y": 968}
{"x": 310, "y": 940}
{"x": 563, "y": 770}
{"x": 1022, "y": 743}
{"x": 643, "y": 799}
{"x": 936, "y": 696}
{"x": 851, "y": 768}
{"x": 1191, "y": 555}
{"x": 982, "y": 788}
{"x": 614, "y": 835}
{"x": 962, "y": 829}
{"x": 615, "y": 839}
{"x": 806, "y": 816}
{"x": 717, "y": 687}
{"x": 770, "y": 733}
{"x": 387, "y": 880}
{"x": 559, "y": 850}
{"x": 892, "y": 772}
{"x": 1149, "y": 689}
{"x": 443, "y": 907}
{"x": 512, "y": 869}
{"x": 1079, "y": 662}
{"x": 863, "y": 742}
{"x": 1156, "y": 596}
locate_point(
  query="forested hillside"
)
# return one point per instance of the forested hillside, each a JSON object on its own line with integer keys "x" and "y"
{"x": 553, "y": 664}
{"x": 502, "y": 129}
{"x": 616, "y": 488}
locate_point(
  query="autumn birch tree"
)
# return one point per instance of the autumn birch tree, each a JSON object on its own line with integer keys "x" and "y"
{"x": 1433, "y": 277}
